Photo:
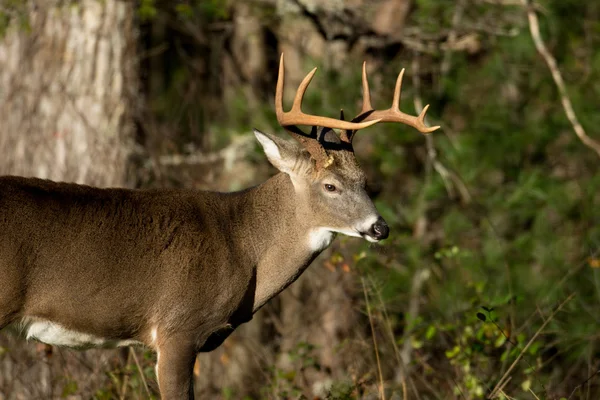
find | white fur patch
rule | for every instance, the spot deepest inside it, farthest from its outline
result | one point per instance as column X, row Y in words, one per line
column 154, row 335
column 156, row 366
column 367, row 224
column 320, row 238
column 51, row 333
column 347, row 232
column 370, row 239
column 269, row 146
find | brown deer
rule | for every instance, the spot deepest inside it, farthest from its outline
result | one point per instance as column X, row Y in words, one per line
column 179, row 270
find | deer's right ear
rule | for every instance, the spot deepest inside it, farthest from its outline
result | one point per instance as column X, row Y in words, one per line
column 283, row 154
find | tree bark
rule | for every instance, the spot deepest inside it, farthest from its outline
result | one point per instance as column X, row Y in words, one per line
column 67, row 88
column 68, row 92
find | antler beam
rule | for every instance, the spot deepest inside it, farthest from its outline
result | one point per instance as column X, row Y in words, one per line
column 367, row 117
column 392, row 114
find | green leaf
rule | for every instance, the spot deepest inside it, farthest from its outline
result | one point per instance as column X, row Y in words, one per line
column 500, row 340
column 453, row 353
column 430, row 333
column 69, row 389
column 147, row 10
column 184, row 10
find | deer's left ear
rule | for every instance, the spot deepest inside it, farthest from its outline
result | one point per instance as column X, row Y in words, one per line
column 283, row 154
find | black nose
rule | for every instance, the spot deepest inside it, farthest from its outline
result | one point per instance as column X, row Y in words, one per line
column 379, row 230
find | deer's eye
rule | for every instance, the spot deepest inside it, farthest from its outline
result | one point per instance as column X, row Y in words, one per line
column 329, row 187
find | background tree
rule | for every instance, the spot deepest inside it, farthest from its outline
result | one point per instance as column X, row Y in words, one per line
column 68, row 102
column 69, row 91
column 487, row 286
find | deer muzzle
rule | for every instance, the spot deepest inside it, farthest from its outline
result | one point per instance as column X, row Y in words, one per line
column 379, row 230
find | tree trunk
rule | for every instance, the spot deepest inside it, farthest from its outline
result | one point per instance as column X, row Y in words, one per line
column 68, row 90
column 67, row 87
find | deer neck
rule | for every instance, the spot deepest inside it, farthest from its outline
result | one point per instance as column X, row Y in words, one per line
column 280, row 243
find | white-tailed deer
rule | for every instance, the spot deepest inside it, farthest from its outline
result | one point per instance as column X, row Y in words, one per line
column 179, row 270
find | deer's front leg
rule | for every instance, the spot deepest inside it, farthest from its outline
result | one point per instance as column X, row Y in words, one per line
column 174, row 369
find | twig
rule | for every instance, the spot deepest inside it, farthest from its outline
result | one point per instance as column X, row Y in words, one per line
column 558, row 80
column 457, row 386
column 503, row 393
column 381, row 390
column 125, row 378
column 404, row 390
column 589, row 362
column 501, row 388
column 492, row 30
column 414, row 389
column 436, row 394
column 139, row 367
column 419, row 278
column 534, row 395
column 510, row 342
column 389, row 328
column 583, row 383
column 537, row 333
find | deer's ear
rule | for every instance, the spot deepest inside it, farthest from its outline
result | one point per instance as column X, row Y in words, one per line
column 283, row 154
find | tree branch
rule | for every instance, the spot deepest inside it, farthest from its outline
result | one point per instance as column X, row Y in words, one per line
column 558, row 80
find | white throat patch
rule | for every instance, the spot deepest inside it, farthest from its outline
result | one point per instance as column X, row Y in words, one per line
column 319, row 239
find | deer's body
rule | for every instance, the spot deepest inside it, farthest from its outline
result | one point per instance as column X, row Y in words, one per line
column 179, row 270
column 171, row 247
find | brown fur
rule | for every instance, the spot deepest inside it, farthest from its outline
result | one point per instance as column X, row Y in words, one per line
column 119, row 263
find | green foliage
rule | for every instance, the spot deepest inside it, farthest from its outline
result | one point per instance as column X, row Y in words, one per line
column 207, row 9
column 341, row 391
column 147, row 10
column 70, row 388
column 13, row 12
column 531, row 235
column 285, row 382
column 493, row 267
column 214, row 9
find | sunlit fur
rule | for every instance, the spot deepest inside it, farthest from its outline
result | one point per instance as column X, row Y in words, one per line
column 348, row 210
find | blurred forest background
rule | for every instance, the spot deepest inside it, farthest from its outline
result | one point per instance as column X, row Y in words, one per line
column 489, row 285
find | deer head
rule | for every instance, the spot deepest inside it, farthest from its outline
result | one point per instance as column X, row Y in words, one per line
column 329, row 183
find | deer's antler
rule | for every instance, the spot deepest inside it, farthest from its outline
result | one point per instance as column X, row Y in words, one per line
column 392, row 114
column 295, row 116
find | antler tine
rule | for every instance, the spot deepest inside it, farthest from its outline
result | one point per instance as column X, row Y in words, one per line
column 398, row 91
column 279, row 91
column 296, row 117
column 297, row 104
column 366, row 92
column 392, row 114
column 347, row 135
